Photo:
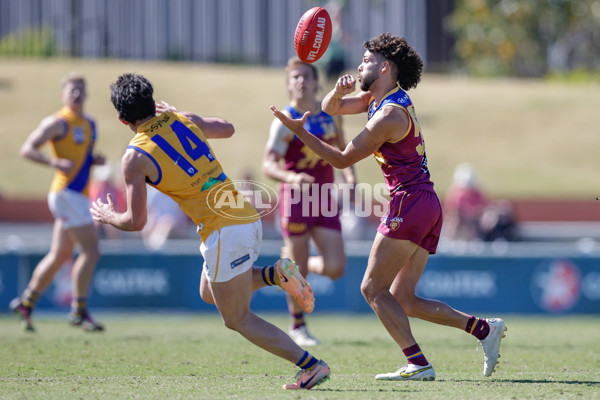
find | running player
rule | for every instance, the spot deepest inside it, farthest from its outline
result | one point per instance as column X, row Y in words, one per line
column 170, row 151
column 410, row 231
column 302, row 173
column 71, row 135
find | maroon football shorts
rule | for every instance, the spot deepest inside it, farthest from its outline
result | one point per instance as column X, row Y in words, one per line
column 299, row 211
column 414, row 215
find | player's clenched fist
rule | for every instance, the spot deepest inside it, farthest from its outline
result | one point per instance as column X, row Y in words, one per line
column 345, row 84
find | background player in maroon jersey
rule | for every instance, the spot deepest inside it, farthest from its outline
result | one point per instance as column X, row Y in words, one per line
column 290, row 162
column 410, row 231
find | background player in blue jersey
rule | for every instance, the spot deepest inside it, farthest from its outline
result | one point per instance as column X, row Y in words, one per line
column 288, row 160
column 71, row 135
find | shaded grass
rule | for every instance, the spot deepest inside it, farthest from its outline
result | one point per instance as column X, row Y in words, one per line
column 526, row 138
column 157, row 356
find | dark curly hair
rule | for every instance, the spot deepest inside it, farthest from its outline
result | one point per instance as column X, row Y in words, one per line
column 409, row 64
column 131, row 95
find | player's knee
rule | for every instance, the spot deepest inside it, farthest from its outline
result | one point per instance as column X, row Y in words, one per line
column 334, row 267
column 369, row 291
column 232, row 322
column 58, row 258
column 92, row 254
column 335, row 271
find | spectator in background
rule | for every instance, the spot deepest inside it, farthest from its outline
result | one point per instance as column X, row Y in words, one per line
column 498, row 222
column 464, row 205
column 71, row 135
column 470, row 215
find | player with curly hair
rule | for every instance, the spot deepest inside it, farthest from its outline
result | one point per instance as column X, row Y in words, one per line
column 410, row 231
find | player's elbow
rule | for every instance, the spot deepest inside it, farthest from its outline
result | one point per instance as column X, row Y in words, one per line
column 340, row 163
column 138, row 223
column 268, row 168
column 25, row 151
column 228, row 130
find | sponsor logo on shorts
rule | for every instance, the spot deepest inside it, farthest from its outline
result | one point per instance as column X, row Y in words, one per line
column 296, row 227
column 393, row 223
column 240, row 261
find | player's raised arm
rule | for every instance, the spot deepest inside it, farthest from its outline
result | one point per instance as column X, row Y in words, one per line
column 335, row 103
column 212, row 127
column 369, row 140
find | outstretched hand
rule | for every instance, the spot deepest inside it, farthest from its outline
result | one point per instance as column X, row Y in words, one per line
column 101, row 212
column 294, row 125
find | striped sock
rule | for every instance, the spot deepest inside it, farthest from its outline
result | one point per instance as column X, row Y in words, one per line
column 414, row 355
column 269, row 276
column 478, row 327
column 79, row 305
column 29, row 298
column 307, row 361
column 298, row 320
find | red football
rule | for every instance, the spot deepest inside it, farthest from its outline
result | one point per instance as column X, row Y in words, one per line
column 313, row 34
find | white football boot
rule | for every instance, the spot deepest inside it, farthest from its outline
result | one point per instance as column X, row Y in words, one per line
column 410, row 372
column 302, row 337
column 491, row 345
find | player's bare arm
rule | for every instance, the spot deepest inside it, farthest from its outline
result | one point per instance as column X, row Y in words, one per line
column 135, row 167
column 212, row 127
column 50, row 128
column 348, row 173
column 335, row 102
column 370, row 139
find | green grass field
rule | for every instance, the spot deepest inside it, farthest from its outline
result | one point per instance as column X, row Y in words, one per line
column 527, row 138
column 187, row 356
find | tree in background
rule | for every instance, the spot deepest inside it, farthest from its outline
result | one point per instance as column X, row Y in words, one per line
column 527, row 38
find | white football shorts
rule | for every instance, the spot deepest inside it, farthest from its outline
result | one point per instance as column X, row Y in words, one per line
column 231, row 251
column 72, row 207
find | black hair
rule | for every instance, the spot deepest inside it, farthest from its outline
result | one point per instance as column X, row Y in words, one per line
column 131, row 95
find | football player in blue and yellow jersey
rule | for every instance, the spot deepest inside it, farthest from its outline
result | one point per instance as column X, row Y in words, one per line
column 70, row 134
column 170, row 151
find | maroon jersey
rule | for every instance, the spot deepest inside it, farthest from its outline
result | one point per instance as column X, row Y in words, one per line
column 300, row 158
column 403, row 162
